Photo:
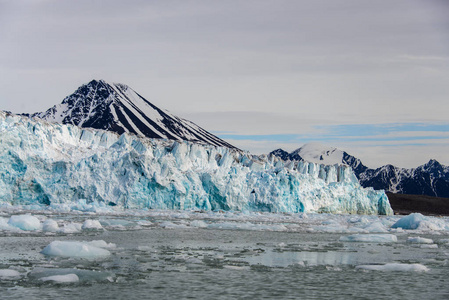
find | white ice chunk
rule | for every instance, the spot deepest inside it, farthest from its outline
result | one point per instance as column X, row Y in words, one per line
column 101, row 244
column 376, row 227
column 50, row 225
column 370, row 238
column 71, row 228
column 62, row 278
column 198, row 223
column 74, row 249
column 4, row 225
column 247, row 226
column 83, row 275
column 443, row 241
column 237, row 268
column 395, row 267
column 429, row 246
column 171, row 225
column 419, row 240
column 411, row 221
column 25, row 222
column 92, row 225
column 144, row 223
column 9, row 273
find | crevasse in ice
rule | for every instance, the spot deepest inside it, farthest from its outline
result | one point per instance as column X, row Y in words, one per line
column 44, row 163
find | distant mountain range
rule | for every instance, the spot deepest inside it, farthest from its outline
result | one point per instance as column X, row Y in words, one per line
column 430, row 179
column 118, row 108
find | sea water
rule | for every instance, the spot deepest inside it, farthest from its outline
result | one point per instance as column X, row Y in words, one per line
column 222, row 255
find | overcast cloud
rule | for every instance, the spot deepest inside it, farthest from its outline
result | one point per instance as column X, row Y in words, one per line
column 261, row 74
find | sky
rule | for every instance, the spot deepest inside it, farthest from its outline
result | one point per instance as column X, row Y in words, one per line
column 367, row 77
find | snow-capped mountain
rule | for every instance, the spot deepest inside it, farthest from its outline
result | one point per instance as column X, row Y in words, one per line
column 118, row 108
column 46, row 163
column 430, row 179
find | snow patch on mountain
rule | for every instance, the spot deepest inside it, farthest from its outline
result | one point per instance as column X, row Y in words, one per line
column 319, row 153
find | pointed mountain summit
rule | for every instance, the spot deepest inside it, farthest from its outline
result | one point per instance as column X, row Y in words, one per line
column 118, row 108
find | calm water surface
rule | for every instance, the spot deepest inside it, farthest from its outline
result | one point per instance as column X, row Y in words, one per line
column 197, row 263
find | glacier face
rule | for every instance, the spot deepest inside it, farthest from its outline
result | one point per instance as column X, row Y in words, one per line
column 50, row 163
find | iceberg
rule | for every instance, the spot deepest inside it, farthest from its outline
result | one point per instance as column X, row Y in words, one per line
column 53, row 164
column 412, row 221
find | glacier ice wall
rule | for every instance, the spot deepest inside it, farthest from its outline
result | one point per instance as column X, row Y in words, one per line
column 49, row 163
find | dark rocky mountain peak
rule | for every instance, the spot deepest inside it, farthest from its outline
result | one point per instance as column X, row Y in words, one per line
column 118, row 108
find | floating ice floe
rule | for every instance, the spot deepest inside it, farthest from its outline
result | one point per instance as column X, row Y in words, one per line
column 69, row 278
column 6, row 273
column 411, row 221
column 417, row 221
column 71, row 228
column 419, row 240
column 67, row 275
column 91, row 225
column 370, row 238
column 25, row 222
column 375, row 227
column 50, row 225
column 395, row 267
column 247, row 226
column 198, row 224
column 428, row 246
column 89, row 250
column 171, row 225
column 102, row 244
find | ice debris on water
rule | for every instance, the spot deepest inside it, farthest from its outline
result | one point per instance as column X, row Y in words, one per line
column 25, row 222
column 5, row 273
column 69, row 278
column 91, row 225
column 50, row 225
column 63, row 166
column 75, row 249
column 395, row 267
column 419, row 240
column 411, row 221
column 61, row 274
column 370, row 238
column 417, row 221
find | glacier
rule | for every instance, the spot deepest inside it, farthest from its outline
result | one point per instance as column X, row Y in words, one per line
column 44, row 163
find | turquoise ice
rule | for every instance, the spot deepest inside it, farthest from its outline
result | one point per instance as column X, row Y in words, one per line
column 43, row 163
